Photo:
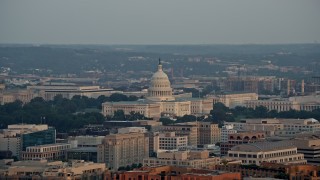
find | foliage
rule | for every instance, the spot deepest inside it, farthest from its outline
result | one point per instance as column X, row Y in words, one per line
column 64, row 114
column 186, row 118
column 166, row 121
column 222, row 113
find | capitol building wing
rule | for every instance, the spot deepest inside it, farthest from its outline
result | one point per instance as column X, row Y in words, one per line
column 160, row 101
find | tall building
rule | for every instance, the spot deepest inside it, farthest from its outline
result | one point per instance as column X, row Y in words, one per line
column 209, row 133
column 120, row 150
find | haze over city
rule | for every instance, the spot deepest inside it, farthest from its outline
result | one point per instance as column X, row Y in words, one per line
column 159, row 22
column 159, row 90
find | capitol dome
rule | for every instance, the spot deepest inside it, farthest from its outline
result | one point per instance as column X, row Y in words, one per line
column 160, row 87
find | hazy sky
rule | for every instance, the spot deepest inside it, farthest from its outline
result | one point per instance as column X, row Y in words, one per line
column 159, row 21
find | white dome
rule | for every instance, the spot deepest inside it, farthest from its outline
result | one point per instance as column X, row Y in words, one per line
column 160, row 87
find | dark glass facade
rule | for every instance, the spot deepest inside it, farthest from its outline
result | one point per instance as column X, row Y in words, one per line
column 38, row 138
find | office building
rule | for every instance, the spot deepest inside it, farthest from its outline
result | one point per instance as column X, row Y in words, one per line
column 274, row 152
column 47, row 151
column 120, row 150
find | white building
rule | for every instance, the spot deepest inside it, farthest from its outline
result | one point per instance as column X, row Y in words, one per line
column 169, row 141
column 160, row 100
column 225, row 131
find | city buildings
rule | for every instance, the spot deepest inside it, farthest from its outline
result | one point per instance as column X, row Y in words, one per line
column 160, row 100
column 274, row 152
column 120, row 150
column 17, row 137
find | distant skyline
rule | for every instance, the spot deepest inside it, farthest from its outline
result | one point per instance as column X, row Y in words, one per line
column 159, row 22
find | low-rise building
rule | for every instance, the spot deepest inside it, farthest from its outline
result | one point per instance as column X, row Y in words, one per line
column 235, row 99
column 192, row 159
column 175, row 173
column 169, row 141
column 86, row 141
column 181, row 129
column 47, row 151
column 280, row 127
column 240, row 138
column 42, row 169
column 306, row 103
column 274, row 152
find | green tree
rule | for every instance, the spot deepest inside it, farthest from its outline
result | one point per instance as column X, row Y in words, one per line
column 186, row 118
column 166, row 121
column 119, row 115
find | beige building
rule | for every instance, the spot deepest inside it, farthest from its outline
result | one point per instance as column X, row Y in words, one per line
column 160, row 100
column 48, row 92
column 48, row 151
column 120, row 150
column 169, row 141
column 209, row 133
column 193, row 159
column 147, row 109
column 306, row 103
column 280, row 127
column 182, row 129
column 309, row 145
column 24, row 96
column 274, row 152
column 233, row 100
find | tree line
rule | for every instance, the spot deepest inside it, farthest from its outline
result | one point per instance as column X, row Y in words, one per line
column 64, row 114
